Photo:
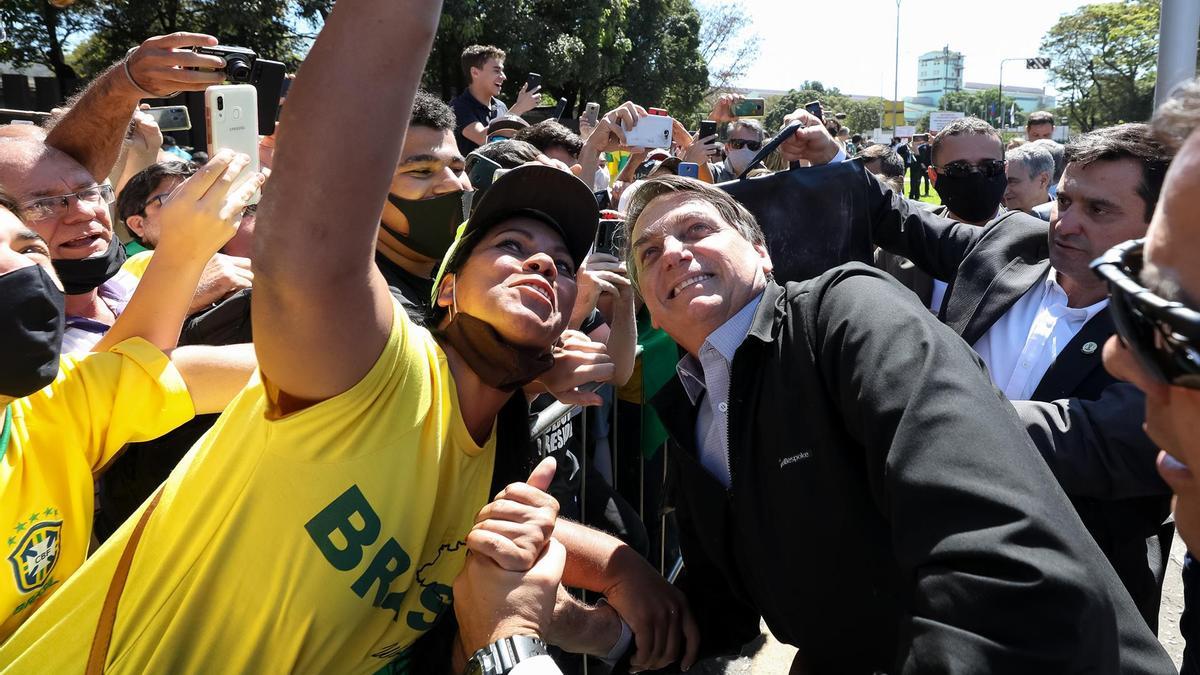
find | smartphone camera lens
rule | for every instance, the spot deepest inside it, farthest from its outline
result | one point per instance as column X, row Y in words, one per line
column 220, row 103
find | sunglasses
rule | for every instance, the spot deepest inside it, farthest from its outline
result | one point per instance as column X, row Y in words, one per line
column 962, row 168
column 738, row 144
column 1165, row 335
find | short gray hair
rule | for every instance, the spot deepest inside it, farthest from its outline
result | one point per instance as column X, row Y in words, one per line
column 1037, row 160
column 752, row 125
column 1057, row 151
column 727, row 207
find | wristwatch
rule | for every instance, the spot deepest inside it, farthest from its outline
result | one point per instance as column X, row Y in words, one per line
column 504, row 654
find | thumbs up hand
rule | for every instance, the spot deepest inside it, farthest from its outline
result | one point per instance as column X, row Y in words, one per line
column 515, row 527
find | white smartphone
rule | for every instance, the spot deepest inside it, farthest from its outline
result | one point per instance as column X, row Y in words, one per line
column 651, row 131
column 231, row 115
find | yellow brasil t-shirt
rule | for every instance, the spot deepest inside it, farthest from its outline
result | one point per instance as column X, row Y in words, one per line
column 322, row 542
column 60, row 438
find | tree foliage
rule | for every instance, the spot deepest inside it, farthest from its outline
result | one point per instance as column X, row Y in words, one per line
column 1103, row 62
column 648, row 51
column 606, row 51
column 982, row 104
column 726, row 44
column 861, row 115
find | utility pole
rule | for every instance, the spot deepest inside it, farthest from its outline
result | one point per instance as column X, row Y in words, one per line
column 1177, row 34
column 896, row 82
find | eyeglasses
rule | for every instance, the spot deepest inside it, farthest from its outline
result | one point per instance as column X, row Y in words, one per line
column 160, row 198
column 56, row 206
column 962, row 168
column 1163, row 334
column 738, row 144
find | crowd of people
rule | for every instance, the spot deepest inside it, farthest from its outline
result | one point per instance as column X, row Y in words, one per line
column 294, row 435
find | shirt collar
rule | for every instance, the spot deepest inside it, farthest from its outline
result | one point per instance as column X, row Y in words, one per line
column 1080, row 314
column 725, row 340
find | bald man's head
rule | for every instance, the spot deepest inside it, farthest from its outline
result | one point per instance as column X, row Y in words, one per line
column 1173, row 240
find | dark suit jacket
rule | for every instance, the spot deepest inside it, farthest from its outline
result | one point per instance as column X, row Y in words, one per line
column 925, row 154
column 1087, row 424
column 887, row 512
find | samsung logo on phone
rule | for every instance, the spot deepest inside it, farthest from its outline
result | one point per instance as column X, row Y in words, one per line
column 237, row 128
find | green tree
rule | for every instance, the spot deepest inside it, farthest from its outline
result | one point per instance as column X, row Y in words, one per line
column 981, row 104
column 38, row 32
column 590, row 50
column 1103, row 62
column 778, row 107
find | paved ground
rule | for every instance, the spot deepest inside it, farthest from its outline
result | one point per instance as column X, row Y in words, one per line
column 766, row 656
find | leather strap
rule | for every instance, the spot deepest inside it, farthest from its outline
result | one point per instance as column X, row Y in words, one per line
column 108, row 613
column 767, row 149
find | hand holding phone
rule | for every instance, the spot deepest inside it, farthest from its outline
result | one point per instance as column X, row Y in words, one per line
column 231, row 114
column 533, row 82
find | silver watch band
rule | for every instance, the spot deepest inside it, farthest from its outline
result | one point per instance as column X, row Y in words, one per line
column 502, row 655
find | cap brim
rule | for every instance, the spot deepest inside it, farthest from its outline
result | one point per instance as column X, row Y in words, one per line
column 564, row 201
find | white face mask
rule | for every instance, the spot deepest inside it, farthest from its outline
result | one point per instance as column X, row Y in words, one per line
column 738, row 160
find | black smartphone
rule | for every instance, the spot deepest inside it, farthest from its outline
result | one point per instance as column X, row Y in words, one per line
column 603, row 199
column 268, row 78
column 815, row 108
column 533, row 81
column 608, row 236
column 481, row 171
column 559, row 109
column 707, row 128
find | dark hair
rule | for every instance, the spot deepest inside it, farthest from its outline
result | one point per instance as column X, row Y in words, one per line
column 132, row 200
column 509, row 154
column 833, row 126
column 7, row 201
column 856, row 139
column 1179, row 116
column 1133, row 141
column 430, row 111
column 890, row 163
column 727, row 207
column 475, row 56
column 965, row 126
column 549, row 134
column 1039, row 117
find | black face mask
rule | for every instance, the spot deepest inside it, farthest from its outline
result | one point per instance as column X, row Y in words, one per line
column 499, row 364
column 83, row 276
column 431, row 222
column 974, row 197
column 31, row 330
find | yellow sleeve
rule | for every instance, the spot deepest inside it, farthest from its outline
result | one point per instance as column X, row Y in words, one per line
column 137, row 264
column 129, row 394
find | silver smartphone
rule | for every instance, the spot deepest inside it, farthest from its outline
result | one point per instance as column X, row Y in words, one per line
column 171, row 117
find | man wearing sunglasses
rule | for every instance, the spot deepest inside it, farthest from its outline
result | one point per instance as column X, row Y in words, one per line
column 744, row 142
column 1020, row 293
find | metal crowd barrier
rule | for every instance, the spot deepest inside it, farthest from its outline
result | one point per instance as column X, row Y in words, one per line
column 556, row 412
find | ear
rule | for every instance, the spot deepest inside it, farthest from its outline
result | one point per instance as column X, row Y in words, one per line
column 445, row 296
column 767, row 265
column 136, row 225
column 1045, row 182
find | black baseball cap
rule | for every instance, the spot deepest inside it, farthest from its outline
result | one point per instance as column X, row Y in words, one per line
column 544, row 193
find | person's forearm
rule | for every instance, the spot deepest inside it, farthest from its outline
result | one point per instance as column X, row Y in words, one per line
column 593, row 557
column 589, row 156
column 214, row 375
column 317, row 223
column 158, row 307
column 135, row 161
column 92, row 130
column 580, row 628
column 475, row 132
column 622, row 342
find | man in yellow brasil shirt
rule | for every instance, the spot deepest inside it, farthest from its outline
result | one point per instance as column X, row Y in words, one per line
column 320, row 525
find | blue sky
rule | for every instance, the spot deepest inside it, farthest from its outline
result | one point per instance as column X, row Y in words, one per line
column 850, row 44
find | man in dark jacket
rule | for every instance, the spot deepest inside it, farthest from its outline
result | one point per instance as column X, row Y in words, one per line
column 842, row 466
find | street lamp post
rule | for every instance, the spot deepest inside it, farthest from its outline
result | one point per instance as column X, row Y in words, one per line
column 896, row 82
column 1000, row 94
